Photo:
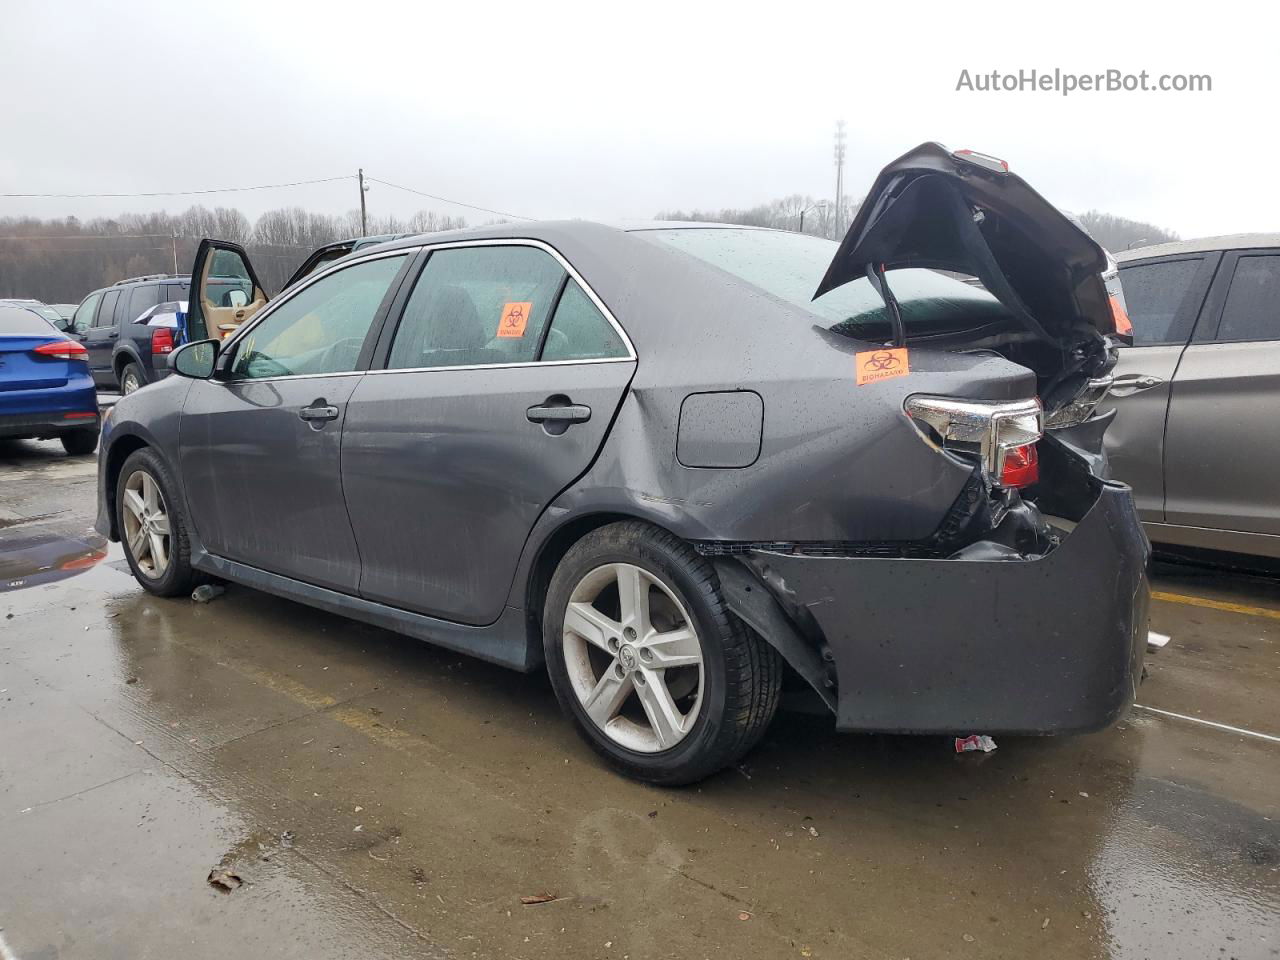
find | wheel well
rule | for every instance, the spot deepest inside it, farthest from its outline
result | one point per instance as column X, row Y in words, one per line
column 116, row 456
column 549, row 557
column 122, row 361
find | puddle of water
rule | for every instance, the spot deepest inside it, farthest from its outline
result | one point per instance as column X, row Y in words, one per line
column 47, row 557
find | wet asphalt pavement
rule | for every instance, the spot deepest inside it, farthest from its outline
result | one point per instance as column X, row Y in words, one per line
column 378, row 798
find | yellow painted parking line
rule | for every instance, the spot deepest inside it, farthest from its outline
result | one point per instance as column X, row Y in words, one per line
column 1215, row 604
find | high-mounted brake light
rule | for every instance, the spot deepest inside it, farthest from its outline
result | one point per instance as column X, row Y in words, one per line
column 161, row 340
column 62, row 350
column 990, row 430
column 987, row 162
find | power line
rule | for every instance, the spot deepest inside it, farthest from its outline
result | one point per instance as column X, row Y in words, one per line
column 115, row 236
column 175, row 193
column 458, row 203
column 264, row 186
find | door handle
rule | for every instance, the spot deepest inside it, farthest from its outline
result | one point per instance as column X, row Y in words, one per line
column 1128, row 384
column 113, row 335
column 318, row 413
column 569, row 413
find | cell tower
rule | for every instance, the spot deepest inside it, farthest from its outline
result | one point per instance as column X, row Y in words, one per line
column 839, row 155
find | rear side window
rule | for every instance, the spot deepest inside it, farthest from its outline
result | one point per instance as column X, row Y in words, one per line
column 1252, row 310
column 477, row 305
column 106, row 316
column 1156, row 298
column 579, row 331
column 141, row 299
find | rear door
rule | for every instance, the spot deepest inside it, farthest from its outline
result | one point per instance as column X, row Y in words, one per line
column 1222, row 447
column 499, row 383
column 1163, row 298
column 260, row 443
column 100, row 339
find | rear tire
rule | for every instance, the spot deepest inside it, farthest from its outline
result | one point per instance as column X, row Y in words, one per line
column 80, row 443
column 153, row 527
column 723, row 680
column 131, row 379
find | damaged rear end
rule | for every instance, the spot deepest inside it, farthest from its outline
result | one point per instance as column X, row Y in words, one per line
column 1025, row 611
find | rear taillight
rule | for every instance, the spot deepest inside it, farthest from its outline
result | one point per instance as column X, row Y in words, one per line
column 62, row 350
column 161, row 340
column 1021, row 467
column 1000, row 435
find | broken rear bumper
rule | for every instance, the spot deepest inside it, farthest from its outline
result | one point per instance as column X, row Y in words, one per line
column 1038, row 646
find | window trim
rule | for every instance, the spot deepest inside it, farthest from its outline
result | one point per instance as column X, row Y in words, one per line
column 570, row 270
column 417, row 253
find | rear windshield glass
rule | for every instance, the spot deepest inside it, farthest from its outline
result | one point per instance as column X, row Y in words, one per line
column 789, row 266
column 18, row 322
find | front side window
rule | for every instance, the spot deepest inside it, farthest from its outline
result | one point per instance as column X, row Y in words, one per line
column 1252, row 310
column 228, row 284
column 83, row 319
column 579, row 331
column 1154, row 295
column 477, row 305
column 319, row 330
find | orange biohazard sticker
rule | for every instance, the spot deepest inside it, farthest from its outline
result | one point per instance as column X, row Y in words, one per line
column 515, row 316
column 885, row 364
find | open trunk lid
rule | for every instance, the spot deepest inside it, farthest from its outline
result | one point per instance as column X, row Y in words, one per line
column 966, row 213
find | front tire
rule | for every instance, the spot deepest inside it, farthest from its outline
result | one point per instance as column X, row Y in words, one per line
column 645, row 658
column 153, row 527
column 80, row 443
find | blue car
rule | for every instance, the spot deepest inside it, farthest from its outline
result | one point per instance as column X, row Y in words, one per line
column 45, row 387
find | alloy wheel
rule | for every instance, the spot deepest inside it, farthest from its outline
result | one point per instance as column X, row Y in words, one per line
column 130, row 385
column 633, row 657
column 146, row 524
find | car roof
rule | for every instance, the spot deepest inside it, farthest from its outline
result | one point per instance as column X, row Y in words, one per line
column 1231, row 241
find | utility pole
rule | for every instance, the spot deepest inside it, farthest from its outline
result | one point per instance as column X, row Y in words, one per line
column 839, row 156
column 175, row 254
column 364, row 230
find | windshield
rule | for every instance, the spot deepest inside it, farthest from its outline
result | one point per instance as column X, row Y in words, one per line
column 790, row 265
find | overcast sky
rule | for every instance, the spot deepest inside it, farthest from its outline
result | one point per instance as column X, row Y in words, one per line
column 611, row 111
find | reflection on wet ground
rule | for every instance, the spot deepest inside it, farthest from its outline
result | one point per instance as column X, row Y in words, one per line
column 382, row 798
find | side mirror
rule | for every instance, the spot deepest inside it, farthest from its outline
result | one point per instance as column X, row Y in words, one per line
column 195, row 360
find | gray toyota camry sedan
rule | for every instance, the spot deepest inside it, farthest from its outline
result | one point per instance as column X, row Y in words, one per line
column 678, row 466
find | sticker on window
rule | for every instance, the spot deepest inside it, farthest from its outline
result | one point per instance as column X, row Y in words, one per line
column 515, row 317
column 873, row 365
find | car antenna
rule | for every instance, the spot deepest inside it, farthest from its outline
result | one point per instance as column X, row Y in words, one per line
column 875, row 274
